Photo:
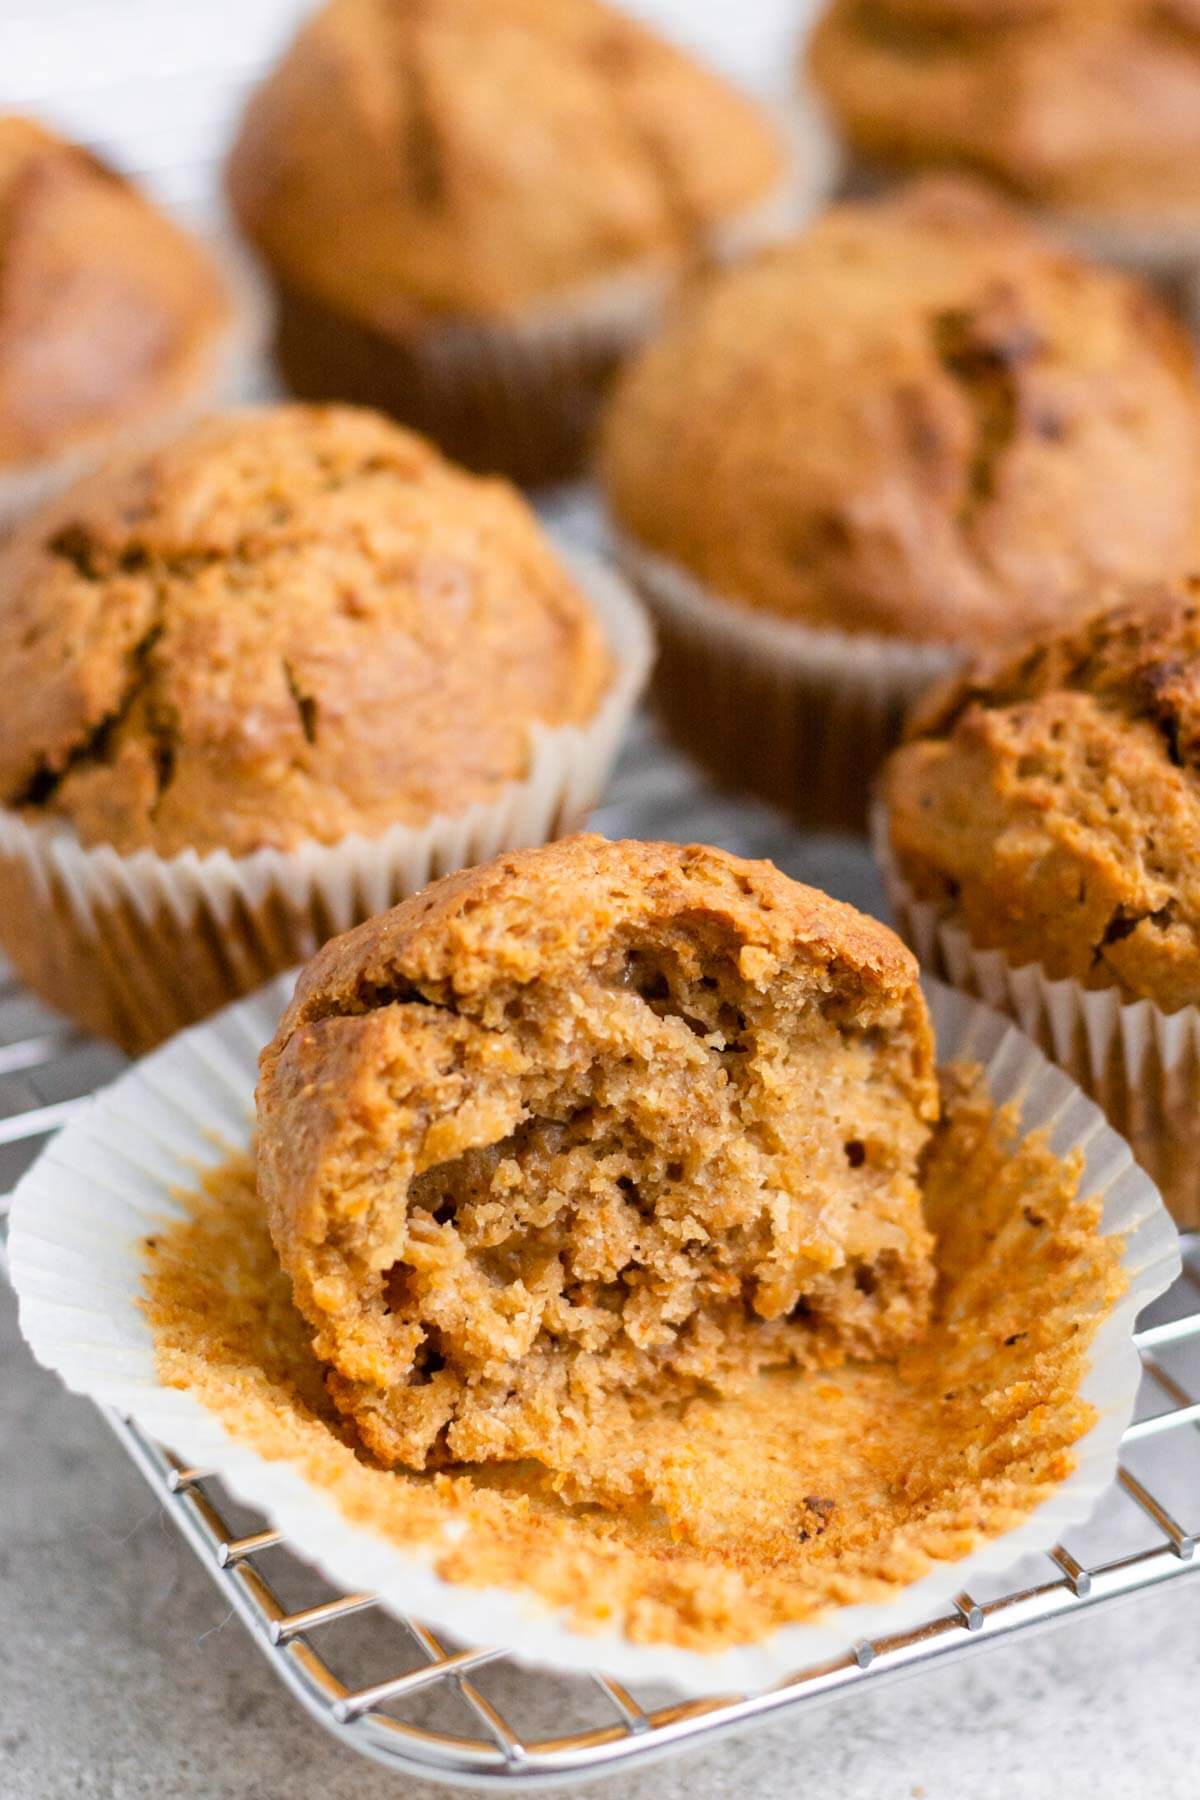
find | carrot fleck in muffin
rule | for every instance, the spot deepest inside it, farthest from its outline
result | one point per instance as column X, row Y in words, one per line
column 594, row 1120
column 917, row 429
column 1047, row 807
column 471, row 207
column 286, row 632
column 110, row 315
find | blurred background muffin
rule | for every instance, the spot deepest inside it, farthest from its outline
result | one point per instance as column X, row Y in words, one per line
column 266, row 680
column 1041, row 832
column 914, row 431
column 470, row 209
column 1090, row 109
column 111, row 316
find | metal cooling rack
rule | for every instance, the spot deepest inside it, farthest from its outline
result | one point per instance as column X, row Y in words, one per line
column 390, row 1689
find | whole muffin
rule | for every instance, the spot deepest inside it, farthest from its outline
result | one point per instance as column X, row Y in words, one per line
column 1081, row 105
column 109, row 313
column 1053, row 796
column 470, row 207
column 918, row 422
column 593, row 1120
column 288, row 631
column 1047, row 807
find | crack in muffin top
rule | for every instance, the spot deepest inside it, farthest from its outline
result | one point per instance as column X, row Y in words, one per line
column 475, row 157
column 919, row 419
column 285, row 626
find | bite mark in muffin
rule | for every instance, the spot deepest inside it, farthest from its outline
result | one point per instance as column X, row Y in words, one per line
column 593, row 1122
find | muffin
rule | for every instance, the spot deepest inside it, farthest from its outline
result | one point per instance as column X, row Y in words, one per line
column 596, row 1120
column 1088, row 108
column 261, row 682
column 470, row 209
column 913, row 431
column 111, row 317
column 1043, row 838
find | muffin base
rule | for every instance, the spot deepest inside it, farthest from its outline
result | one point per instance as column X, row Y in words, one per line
column 493, row 400
column 801, row 717
column 1140, row 1065
column 136, row 947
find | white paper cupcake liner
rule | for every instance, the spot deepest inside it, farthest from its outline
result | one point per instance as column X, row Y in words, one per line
column 1141, row 1065
column 116, row 1171
column 801, row 716
column 230, row 370
column 137, row 946
column 519, row 395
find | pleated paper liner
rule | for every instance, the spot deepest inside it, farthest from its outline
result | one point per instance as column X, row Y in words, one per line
column 519, row 397
column 117, row 1171
column 228, row 371
column 801, row 716
column 1137, row 1062
column 135, row 947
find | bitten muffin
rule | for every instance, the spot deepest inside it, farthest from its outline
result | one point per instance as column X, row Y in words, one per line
column 1044, row 850
column 109, row 313
column 1081, row 105
column 589, row 1121
column 287, row 632
column 440, row 191
column 919, row 422
column 1053, row 796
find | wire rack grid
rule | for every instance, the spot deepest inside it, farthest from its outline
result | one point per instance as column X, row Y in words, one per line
column 392, row 1690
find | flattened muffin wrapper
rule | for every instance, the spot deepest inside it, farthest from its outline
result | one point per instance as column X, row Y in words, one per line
column 228, row 372
column 1137, row 1062
column 145, row 944
column 117, row 1172
column 800, row 715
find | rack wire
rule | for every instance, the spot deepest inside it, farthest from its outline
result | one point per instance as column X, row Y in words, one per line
column 391, row 1689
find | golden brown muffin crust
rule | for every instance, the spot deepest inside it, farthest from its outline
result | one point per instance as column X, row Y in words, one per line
column 917, row 419
column 107, row 310
column 478, row 156
column 592, row 1120
column 286, row 625
column 1052, row 799
column 1080, row 103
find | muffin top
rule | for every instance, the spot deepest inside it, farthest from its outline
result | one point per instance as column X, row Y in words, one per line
column 107, row 309
column 595, row 1118
column 1092, row 104
column 918, row 419
column 1052, row 799
column 478, row 156
column 287, row 625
